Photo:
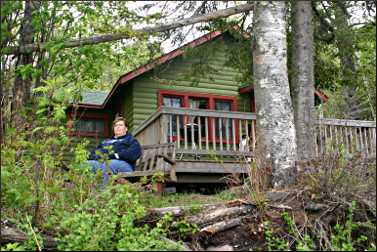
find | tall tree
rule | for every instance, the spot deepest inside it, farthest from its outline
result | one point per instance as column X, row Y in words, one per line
column 303, row 77
column 275, row 123
column 23, row 79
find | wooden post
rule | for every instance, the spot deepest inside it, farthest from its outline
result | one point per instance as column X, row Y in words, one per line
column 206, row 130
column 213, row 133
column 178, row 132
column 200, row 132
column 227, row 133
column 185, row 133
column 254, row 140
column 221, row 133
column 163, row 128
column 234, row 134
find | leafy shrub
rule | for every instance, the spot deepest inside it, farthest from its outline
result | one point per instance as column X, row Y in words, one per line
column 106, row 222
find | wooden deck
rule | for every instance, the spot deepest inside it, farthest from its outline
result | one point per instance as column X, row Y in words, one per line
column 206, row 145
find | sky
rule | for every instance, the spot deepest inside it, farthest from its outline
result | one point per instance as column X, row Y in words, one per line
column 190, row 34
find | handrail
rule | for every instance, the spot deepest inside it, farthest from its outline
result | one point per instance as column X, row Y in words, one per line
column 146, row 122
column 209, row 113
column 346, row 122
column 193, row 112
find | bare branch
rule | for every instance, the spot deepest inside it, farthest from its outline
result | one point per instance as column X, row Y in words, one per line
column 118, row 36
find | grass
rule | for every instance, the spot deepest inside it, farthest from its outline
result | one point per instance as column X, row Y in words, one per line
column 190, row 199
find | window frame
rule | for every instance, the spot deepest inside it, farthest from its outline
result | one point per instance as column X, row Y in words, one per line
column 185, row 96
column 81, row 116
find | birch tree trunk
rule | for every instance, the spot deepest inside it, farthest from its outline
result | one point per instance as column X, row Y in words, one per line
column 303, row 78
column 275, row 126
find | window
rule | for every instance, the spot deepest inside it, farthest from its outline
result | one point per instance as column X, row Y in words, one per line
column 224, row 124
column 172, row 98
column 175, row 102
column 88, row 124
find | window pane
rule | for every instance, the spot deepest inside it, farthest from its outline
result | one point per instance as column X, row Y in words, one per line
column 223, row 105
column 100, row 126
column 174, row 102
column 89, row 126
column 199, row 103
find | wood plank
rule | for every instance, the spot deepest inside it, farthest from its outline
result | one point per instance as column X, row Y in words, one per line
column 361, row 140
column 200, row 132
column 366, row 142
column 331, row 137
column 253, row 124
column 213, row 121
column 343, row 122
column 178, row 132
column 204, row 167
column 217, row 152
column 206, row 132
column 146, row 123
column 163, row 129
column 193, row 145
column 345, row 132
column 351, row 140
column 247, row 135
column 171, row 128
column 136, row 174
column 185, row 131
column 227, row 133
column 209, row 113
column 221, row 133
column 234, row 134
column 240, row 135
column 321, row 140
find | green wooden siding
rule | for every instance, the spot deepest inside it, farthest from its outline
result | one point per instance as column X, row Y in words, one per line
column 129, row 106
column 173, row 75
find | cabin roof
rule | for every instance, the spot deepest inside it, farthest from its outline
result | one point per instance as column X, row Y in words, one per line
column 98, row 99
column 146, row 67
column 94, row 97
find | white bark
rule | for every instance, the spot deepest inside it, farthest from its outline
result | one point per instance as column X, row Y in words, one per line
column 303, row 78
column 275, row 126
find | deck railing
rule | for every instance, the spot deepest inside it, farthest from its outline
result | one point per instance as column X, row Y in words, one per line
column 349, row 136
column 201, row 131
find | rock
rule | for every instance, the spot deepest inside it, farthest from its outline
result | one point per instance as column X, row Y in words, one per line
column 275, row 196
column 225, row 247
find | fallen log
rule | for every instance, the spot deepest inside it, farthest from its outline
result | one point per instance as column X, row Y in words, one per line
column 11, row 235
column 180, row 210
column 219, row 213
column 221, row 226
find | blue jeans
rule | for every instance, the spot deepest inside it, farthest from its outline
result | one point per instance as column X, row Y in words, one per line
column 114, row 165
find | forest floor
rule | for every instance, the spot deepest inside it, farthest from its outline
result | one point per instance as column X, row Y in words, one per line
column 332, row 206
column 325, row 210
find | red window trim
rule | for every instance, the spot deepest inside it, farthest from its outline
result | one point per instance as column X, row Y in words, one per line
column 82, row 116
column 186, row 95
column 211, row 103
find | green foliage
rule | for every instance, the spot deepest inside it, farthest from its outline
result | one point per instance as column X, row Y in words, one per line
column 182, row 228
column 273, row 242
column 341, row 237
column 106, row 222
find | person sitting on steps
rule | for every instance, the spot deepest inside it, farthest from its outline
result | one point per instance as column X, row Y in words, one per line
column 122, row 149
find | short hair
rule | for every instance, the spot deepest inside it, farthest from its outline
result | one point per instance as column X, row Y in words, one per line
column 118, row 119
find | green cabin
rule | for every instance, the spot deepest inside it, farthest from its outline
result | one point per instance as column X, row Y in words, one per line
column 193, row 98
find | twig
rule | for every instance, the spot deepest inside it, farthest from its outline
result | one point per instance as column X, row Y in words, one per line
column 34, row 235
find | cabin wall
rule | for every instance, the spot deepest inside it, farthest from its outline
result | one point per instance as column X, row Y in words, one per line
column 93, row 141
column 218, row 79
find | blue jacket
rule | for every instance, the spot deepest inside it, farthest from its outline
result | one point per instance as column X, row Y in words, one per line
column 125, row 148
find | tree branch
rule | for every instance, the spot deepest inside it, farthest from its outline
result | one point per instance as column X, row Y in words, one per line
column 118, row 36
